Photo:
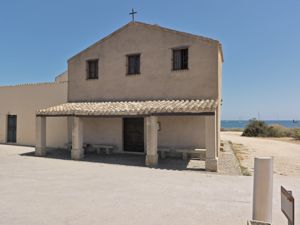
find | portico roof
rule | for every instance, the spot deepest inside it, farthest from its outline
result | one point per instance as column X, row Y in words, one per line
column 131, row 108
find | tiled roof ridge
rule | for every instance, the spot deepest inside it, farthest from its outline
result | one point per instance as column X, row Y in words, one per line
column 32, row 84
column 152, row 100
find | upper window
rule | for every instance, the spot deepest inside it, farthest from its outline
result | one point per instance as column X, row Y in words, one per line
column 133, row 64
column 92, row 69
column 180, row 59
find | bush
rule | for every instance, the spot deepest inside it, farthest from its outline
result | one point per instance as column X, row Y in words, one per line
column 278, row 131
column 296, row 133
column 256, row 128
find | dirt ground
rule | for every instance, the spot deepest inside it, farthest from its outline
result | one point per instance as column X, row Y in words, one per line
column 285, row 139
column 47, row 191
column 286, row 154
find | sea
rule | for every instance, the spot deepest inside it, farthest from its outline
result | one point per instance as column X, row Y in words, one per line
column 228, row 124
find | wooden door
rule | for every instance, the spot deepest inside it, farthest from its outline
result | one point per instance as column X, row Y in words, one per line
column 133, row 134
column 11, row 128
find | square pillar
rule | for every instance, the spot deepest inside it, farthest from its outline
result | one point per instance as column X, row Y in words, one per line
column 211, row 142
column 151, row 140
column 218, row 129
column 77, row 151
column 70, row 125
column 40, row 136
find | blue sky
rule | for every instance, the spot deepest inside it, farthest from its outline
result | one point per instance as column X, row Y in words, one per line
column 261, row 43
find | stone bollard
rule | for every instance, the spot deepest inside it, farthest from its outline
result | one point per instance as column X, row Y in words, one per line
column 263, row 189
column 255, row 222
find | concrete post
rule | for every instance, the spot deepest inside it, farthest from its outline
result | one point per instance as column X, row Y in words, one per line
column 211, row 161
column 151, row 140
column 263, row 189
column 77, row 151
column 40, row 136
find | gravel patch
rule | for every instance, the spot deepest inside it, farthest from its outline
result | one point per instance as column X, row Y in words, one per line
column 228, row 163
column 286, row 156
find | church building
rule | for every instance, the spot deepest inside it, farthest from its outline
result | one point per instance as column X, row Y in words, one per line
column 143, row 89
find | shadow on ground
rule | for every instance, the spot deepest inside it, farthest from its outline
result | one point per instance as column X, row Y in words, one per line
column 126, row 160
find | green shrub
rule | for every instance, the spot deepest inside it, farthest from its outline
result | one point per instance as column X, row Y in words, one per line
column 256, row 128
column 296, row 133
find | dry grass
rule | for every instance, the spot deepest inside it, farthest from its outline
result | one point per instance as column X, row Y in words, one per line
column 241, row 153
column 232, row 129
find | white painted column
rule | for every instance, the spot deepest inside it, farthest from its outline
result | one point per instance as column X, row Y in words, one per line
column 151, row 140
column 263, row 189
column 40, row 136
column 211, row 161
column 77, row 151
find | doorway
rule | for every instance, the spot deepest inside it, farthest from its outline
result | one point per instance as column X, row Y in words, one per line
column 133, row 134
column 11, row 129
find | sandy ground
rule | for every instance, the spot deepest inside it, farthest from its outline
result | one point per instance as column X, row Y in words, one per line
column 286, row 139
column 47, row 191
column 286, row 155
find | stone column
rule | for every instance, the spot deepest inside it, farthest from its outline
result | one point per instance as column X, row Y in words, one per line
column 218, row 129
column 70, row 125
column 211, row 162
column 151, row 140
column 40, row 136
column 77, row 151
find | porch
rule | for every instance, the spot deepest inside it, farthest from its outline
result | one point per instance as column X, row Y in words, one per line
column 143, row 127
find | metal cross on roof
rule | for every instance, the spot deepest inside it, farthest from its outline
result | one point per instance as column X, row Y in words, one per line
column 132, row 14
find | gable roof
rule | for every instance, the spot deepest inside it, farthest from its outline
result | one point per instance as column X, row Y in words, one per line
column 155, row 27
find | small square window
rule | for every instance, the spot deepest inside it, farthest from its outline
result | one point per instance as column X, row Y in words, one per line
column 133, row 64
column 180, row 59
column 92, row 69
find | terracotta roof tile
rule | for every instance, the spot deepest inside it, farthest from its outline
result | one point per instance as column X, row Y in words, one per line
column 125, row 108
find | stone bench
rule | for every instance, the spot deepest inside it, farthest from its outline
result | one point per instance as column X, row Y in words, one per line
column 163, row 152
column 199, row 153
column 107, row 148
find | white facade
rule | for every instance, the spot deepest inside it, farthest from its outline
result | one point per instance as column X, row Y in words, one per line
column 23, row 101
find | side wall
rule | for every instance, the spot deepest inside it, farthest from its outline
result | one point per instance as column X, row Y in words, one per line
column 219, row 109
column 176, row 131
column 23, row 101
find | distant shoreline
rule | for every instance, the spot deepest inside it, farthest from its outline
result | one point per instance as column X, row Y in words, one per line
column 239, row 125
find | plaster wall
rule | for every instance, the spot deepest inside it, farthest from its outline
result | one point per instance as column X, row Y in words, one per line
column 23, row 101
column 156, row 80
column 182, row 131
column 176, row 131
column 103, row 131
